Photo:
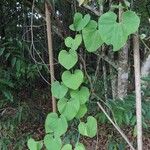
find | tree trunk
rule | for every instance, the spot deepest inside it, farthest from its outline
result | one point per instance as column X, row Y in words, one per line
column 123, row 71
column 50, row 50
column 114, row 76
column 123, row 67
column 138, row 90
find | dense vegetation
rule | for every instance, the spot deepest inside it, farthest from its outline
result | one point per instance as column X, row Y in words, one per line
column 69, row 76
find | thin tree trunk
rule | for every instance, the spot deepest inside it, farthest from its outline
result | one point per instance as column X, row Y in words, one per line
column 105, row 80
column 50, row 50
column 138, row 90
column 114, row 79
column 123, row 72
column 123, row 67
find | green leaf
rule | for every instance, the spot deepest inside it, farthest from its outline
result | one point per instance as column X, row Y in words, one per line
column 7, row 56
column 52, row 143
column 82, row 95
column 115, row 33
column 73, row 43
column 73, row 80
column 13, row 61
column 2, row 51
column 68, row 59
column 92, row 36
column 68, row 108
column 80, row 22
column 8, row 95
column 67, row 147
column 88, row 129
column 56, row 124
column 82, row 111
column 58, row 90
column 79, row 146
column 34, row 145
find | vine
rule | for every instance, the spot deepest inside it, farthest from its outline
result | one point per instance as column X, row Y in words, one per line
column 72, row 95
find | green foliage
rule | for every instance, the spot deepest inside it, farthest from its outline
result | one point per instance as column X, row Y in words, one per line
column 51, row 142
column 73, row 80
column 68, row 59
column 34, row 145
column 67, row 147
column 108, row 29
column 71, row 94
column 5, row 87
column 115, row 145
column 58, row 90
column 82, row 111
column 73, row 43
column 88, row 129
column 68, row 108
column 92, row 36
column 16, row 68
column 80, row 22
column 79, row 146
column 82, row 94
column 56, row 125
column 116, row 33
column 123, row 112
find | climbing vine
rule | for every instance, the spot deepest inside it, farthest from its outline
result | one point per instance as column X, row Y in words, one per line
column 72, row 92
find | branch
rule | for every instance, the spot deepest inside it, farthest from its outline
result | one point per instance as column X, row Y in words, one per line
column 108, row 60
column 97, row 13
column 89, row 8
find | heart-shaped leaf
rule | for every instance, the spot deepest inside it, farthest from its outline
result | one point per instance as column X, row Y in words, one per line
column 82, row 95
column 58, row 90
column 92, row 36
column 88, row 129
column 73, row 80
column 79, row 146
column 116, row 33
column 79, row 22
column 34, row 145
column 51, row 142
column 55, row 124
column 68, row 59
column 82, row 111
column 67, row 147
column 73, row 43
column 68, row 108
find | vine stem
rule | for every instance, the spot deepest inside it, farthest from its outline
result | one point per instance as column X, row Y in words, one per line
column 138, row 90
column 116, row 126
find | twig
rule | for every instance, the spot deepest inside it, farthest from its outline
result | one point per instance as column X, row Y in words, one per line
column 97, row 13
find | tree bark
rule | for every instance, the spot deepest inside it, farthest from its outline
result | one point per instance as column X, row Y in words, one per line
column 50, row 50
column 123, row 67
column 114, row 77
column 123, row 71
column 138, row 90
